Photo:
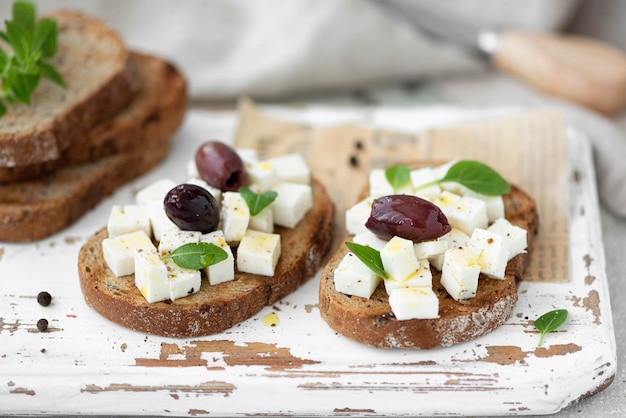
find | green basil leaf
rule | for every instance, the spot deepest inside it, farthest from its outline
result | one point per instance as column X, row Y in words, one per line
column 46, row 37
column 478, row 177
column 23, row 86
column 24, row 15
column 398, row 176
column 257, row 202
column 51, row 74
column 197, row 256
column 369, row 256
column 19, row 39
column 549, row 322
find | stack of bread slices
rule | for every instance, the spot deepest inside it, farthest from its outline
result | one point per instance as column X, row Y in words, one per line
column 74, row 145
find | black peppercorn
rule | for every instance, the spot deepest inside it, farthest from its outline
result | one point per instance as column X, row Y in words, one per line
column 42, row 324
column 44, row 298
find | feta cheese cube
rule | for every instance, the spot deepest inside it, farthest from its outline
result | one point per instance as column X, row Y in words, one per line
column 182, row 282
column 129, row 218
column 460, row 272
column 224, row 271
column 446, row 201
column 357, row 216
column 398, row 258
column 292, row 168
column 493, row 204
column 159, row 220
column 370, row 239
column 171, row 239
column 427, row 249
column 421, row 177
column 263, row 176
column 249, row 156
column 380, row 186
column 468, row 214
column 516, row 236
column 192, row 169
column 151, row 275
column 422, row 277
column 263, row 221
column 293, row 202
column 454, row 238
column 119, row 252
column 258, row 253
column 414, row 303
column 235, row 216
column 354, row 278
column 154, row 192
column 491, row 252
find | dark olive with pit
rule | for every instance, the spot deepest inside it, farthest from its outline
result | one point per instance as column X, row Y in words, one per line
column 192, row 208
column 220, row 166
column 408, row 217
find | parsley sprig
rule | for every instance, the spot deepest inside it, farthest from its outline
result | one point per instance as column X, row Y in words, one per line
column 31, row 43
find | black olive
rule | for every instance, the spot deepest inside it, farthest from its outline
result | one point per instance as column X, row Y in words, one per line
column 192, row 208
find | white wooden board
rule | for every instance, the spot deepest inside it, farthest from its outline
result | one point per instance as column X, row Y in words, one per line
column 84, row 364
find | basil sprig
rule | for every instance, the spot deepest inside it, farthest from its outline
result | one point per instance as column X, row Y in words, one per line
column 197, row 256
column 257, row 202
column 476, row 176
column 31, row 44
column 549, row 322
column 369, row 256
column 398, row 176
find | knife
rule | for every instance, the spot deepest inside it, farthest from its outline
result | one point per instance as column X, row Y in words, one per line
column 571, row 67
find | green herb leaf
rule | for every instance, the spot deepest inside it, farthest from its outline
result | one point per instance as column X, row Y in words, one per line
column 23, row 66
column 398, row 176
column 478, row 177
column 549, row 322
column 257, row 202
column 369, row 256
column 197, row 255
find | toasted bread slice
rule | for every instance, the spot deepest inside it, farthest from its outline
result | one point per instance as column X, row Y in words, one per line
column 124, row 131
column 100, row 78
column 371, row 321
column 32, row 210
column 213, row 308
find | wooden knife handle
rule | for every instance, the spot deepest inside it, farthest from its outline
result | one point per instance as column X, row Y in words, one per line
column 570, row 67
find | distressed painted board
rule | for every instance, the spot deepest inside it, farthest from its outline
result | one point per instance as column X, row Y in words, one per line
column 286, row 361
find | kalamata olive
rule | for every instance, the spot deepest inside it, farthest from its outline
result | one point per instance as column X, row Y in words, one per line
column 192, row 208
column 408, row 217
column 220, row 166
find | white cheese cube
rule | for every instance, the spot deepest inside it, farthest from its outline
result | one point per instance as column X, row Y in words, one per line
column 398, row 258
column 235, row 216
column 427, row 249
column 414, row 303
column 192, row 169
column 154, row 192
column 249, row 156
column 263, row 176
column 159, row 220
column 258, row 253
column 171, row 239
column 263, row 221
column 468, row 214
column 292, row 203
column 119, row 252
column 493, row 204
column 420, row 177
column 380, row 186
column 357, row 216
column 446, row 201
column 370, row 239
column 291, row 168
column 129, row 218
column 516, row 236
column 491, row 252
column 224, row 271
column 460, row 272
column 422, row 277
column 454, row 238
column 182, row 282
column 354, row 278
column 151, row 275
column 215, row 192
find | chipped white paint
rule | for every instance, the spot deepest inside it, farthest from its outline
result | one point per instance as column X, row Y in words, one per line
column 86, row 365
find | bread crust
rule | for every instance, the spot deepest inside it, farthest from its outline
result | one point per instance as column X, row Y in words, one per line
column 32, row 210
column 213, row 308
column 101, row 78
column 371, row 321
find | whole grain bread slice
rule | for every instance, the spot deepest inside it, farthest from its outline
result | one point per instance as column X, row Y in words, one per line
column 32, row 210
column 125, row 130
column 100, row 77
column 371, row 321
column 213, row 308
